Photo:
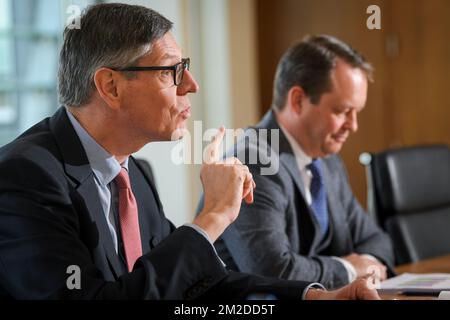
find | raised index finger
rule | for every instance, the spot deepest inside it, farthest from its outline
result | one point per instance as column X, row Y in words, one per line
column 212, row 150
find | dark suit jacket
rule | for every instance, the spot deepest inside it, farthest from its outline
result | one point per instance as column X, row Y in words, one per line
column 51, row 218
column 279, row 236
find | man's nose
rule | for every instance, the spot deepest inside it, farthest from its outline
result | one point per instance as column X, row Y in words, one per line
column 352, row 121
column 188, row 84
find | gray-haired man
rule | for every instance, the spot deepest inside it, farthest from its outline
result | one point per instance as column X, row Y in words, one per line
column 73, row 198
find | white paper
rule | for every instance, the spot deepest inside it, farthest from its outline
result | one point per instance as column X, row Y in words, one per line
column 444, row 295
column 416, row 283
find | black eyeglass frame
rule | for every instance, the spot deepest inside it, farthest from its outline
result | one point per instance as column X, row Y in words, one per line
column 185, row 63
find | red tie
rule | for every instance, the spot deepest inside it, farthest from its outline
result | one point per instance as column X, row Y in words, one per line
column 129, row 221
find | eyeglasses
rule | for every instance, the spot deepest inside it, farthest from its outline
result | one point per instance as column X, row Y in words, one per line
column 178, row 69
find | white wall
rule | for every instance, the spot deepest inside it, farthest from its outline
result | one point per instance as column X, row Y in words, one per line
column 245, row 101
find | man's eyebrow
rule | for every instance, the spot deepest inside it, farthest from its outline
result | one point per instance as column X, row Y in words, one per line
column 169, row 56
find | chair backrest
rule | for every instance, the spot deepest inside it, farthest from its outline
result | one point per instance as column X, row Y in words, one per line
column 409, row 197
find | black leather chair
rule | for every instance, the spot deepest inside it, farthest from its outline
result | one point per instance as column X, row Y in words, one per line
column 409, row 197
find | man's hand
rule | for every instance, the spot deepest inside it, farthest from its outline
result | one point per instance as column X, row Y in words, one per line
column 225, row 184
column 362, row 288
column 364, row 265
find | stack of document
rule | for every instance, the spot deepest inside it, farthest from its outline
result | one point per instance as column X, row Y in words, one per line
column 428, row 283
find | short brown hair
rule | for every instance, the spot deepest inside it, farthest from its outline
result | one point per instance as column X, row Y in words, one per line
column 308, row 64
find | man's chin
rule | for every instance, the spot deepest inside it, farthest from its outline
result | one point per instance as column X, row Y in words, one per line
column 178, row 134
column 332, row 148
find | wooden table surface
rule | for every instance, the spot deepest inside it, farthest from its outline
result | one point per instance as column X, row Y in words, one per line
column 434, row 265
column 439, row 264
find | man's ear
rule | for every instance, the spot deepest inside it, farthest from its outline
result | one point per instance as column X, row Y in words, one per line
column 107, row 82
column 295, row 99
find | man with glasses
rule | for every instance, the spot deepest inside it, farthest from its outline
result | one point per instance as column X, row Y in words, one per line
column 177, row 70
column 80, row 219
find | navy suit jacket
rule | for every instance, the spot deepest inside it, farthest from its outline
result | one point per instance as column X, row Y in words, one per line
column 51, row 218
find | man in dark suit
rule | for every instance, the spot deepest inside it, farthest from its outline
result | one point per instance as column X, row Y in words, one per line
column 79, row 217
column 306, row 223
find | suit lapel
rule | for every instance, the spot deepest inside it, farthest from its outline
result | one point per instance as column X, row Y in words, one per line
column 79, row 170
column 287, row 159
column 88, row 192
column 151, row 215
column 337, row 223
column 144, row 214
column 305, row 232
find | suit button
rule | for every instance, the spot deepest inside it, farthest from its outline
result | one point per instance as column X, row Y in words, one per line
column 154, row 242
column 192, row 293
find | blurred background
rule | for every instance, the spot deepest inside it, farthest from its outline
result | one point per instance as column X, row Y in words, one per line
column 234, row 46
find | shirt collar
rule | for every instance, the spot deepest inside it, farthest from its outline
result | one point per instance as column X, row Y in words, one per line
column 104, row 165
column 302, row 158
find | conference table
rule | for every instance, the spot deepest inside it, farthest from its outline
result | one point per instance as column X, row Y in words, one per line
column 434, row 265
